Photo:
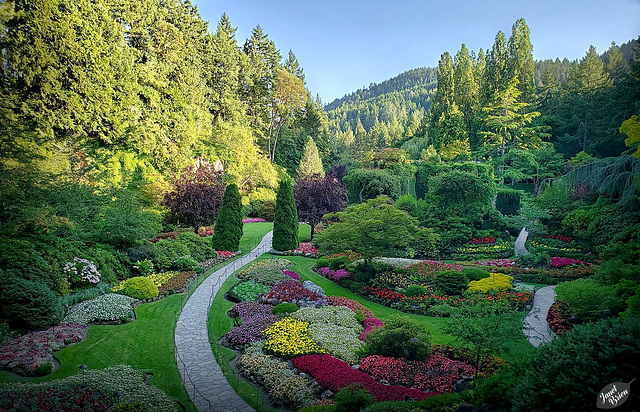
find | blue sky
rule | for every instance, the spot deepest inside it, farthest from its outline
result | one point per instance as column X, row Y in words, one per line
column 346, row 45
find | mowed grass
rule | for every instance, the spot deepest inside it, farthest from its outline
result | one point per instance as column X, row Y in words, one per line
column 146, row 343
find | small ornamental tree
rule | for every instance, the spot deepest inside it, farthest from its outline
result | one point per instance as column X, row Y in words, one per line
column 229, row 222
column 197, row 196
column 285, row 223
column 316, row 196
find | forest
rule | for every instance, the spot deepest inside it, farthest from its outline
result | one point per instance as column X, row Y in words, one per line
column 134, row 139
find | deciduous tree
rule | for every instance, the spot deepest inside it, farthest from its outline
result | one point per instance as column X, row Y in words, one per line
column 316, row 196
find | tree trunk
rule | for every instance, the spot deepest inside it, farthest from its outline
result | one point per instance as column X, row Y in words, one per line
column 313, row 229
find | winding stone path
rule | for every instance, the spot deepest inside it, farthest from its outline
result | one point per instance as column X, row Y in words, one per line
column 536, row 328
column 202, row 377
column 519, row 248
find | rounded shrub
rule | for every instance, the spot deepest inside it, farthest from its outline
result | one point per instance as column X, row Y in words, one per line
column 450, row 282
column 283, row 308
column 352, row 398
column 475, row 273
column 140, row 288
column 186, row 263
column 30, row 305
column 415, row 290
column 339, row 262
column 167, row 251
column 322, row 262
column 533, row 260
column 400, row 337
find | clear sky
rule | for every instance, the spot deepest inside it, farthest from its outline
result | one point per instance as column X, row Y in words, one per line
column 344, row 45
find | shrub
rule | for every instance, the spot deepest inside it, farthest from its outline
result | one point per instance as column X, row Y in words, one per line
column 323, row 262
column 508, row 201
column 145, row 267
column 84, row 294
column 186, row 263
column 109, row 307
column 81, row 272
column 282, row 308
column 475, row 273
column 415, row 290
column 339, row 263
column 229, row 221
column 589, row 299
column 199, row 247
column 249, row 290
column 533, row 260
column 401, row 337
column 140, row 288
column 568, row 373
column 267, row 210
column 167, row 252
column 27, row 304
column 352, row 398
column 450, row 282
column 495, row 282
column 146, row 251
column 285, row 223
column 129, row 407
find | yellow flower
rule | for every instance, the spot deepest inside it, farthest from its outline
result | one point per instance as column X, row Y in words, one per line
column 495, row 281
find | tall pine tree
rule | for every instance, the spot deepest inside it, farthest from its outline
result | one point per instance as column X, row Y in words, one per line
column 311, row 163
column 285, row 223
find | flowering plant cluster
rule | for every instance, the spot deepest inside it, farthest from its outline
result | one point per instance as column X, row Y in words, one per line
column 563, row 238
column 517, row 299
column 495, row 282
column 341, row 342
column 558, row 317
column 249, row 290
column 256, row 317
column 334, row 275
column 335, row 374
column 438, row 375
column 178, row 282
column 306, row 249
column 352, row 304
column 560, row 262
column 109, row 307
column 395, row 279
column 206, row 230
column 288, row 338
column 329, row 315
column 384, row 295
column 286, row 389
column 493, row 250
column 166, row 235
column 81, row 272
column 277, row 264
column 33, row 353
column 370, row 324
column 489, row 364
column 352, row 257
column 484, row 240
column 226, row 254
column 54, row 398
column 291, row 274
column 309, row 285
column 293, row 291
column 158, row 279
column 502, row 263
column 253, row 220
column 427, row 269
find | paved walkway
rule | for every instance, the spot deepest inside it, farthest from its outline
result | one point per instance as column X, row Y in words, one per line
column 203, row 378
column 519, row 248
column 536, row 327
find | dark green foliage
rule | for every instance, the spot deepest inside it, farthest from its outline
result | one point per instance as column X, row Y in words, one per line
column 186, row 263
column 285, row 223
column 140, row 287
column 568, row 373
column 167, row 251
column 129, row 407
column 409, row 204
column 400, row 337
column 146, row 251
column 508, row 201
column 497, row 390
column 533, row 260
column 451, row 282
column 29, row 305
column 475, row 273
column 228, row 229
column 615, row 271
column 85, row 294
column 318, row 408
column 352, row 398
column 589, row 299
column 365, row 184
column 19, row 257
column 199, row 246
column 405, row 406
column 415, row 290
column 462, row 192
column 282, row 308
column 339, row 262
column 268, row 210
column 322, row 262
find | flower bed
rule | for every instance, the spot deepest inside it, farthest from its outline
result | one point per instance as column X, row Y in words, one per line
column 55, row 398
column 370, row 324
column 560, row 262
column 206, row 230
column 288, row 338
column 285, row 388
column 501, row 263
column 341, row 342
column 335, row 374
column 562, row 238
column 278, row 264
column 256, row 317
column 352, row 257
column 178, row 283
column 489, row 364
column 293, row 291
column 226, row 254
column 306, row 249
column 291, row 274
column 484, row 240
column 253, row 220
column 352, row 304
column 158, row 279
column 249, row 290
column 425, row 271
column 495, row 282
column 109, row 307
column 32, row 354
column 329, row 315
column 384, row 295
column 334, row 275
column 438, row 375
column 108, row 381
column 223, row 256
column 558, row 317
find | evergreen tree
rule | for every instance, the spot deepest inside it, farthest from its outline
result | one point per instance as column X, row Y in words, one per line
column 311, row 163
column 285, row 223
column 521, row 60
column 466, row 91
column 229, row 228
column 496, row 72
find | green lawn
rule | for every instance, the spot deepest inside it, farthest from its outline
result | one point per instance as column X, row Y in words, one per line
column 146, row 344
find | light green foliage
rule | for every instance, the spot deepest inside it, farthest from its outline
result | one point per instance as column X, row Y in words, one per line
column 311, row 163
column 589, row 299
column 285, row 223
column 140, row 288
column 409, row 204
column 228, row 230
column 631, row 127
column 284, row 308
column 185, row 263
column 374, row 228
column 533, row 260
column 365, row 184
column 475, row 273
column 400, row 337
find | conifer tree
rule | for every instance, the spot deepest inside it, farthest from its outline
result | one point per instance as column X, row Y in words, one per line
column 311, row 163
column 285, row 224
column 229, row 222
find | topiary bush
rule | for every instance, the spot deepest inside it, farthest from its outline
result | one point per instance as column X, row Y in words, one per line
column 285, row 223
column 29, row 305
column 282, row 308
column 508, row 201
column 140, row 287
column 323, row 262
column 451, row 282
column 400, row 337
column 415, row 290
column 229, row 221
column 475, row 273
column 339, row 262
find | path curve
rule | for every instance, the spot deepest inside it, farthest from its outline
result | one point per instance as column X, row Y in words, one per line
column 206, row 382
column 536, row 328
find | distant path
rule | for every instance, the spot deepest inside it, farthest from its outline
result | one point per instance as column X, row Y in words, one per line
column 205, row 382
column 519, row 248
column 536, row 327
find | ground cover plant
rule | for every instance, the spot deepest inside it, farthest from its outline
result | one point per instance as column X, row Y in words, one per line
column 109, row 307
